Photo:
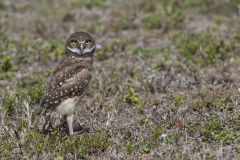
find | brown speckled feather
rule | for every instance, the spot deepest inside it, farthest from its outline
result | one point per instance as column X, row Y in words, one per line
column 69, row 79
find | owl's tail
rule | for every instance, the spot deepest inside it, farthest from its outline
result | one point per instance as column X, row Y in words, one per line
column 46, row 115
column 48, row 123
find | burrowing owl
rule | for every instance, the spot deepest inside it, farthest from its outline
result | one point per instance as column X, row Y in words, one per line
column 71, row 77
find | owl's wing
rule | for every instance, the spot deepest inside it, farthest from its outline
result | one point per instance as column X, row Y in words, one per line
column 64, row 84
column 64, row 70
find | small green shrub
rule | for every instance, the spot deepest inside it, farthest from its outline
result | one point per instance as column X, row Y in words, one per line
column 146, row 149
column 215, row 131
column 130, row 147
column 132, row 97
column 5, row 63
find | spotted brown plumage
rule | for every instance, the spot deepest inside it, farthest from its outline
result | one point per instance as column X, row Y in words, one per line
column 67, row 82
column 71, row 77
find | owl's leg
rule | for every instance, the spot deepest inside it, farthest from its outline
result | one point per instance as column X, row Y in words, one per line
column 69, row 119
column 73, row 127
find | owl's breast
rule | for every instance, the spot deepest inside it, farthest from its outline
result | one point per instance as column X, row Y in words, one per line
column 67, row 107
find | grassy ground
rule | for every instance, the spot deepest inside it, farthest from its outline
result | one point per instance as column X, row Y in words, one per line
column 165, row 85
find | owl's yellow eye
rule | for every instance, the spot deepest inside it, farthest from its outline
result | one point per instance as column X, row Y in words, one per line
column 88, row 42
column 74, row 42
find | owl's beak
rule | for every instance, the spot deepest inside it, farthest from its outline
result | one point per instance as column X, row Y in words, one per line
column 81, row 47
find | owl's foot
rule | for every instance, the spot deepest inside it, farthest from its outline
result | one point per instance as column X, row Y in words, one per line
column 89, row 130
column 72, row 126
column 81, row 130
column 77, row 129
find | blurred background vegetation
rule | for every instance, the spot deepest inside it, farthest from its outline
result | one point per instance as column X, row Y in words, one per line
column 165, row 83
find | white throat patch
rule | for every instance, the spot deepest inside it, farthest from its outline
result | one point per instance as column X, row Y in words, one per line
column 78, row 51
column 87, row 50
column 75, row 50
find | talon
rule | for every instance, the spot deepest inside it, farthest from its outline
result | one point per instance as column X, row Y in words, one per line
column 89, row 130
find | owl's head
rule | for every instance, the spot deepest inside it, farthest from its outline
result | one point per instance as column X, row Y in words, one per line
column 80, row 43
